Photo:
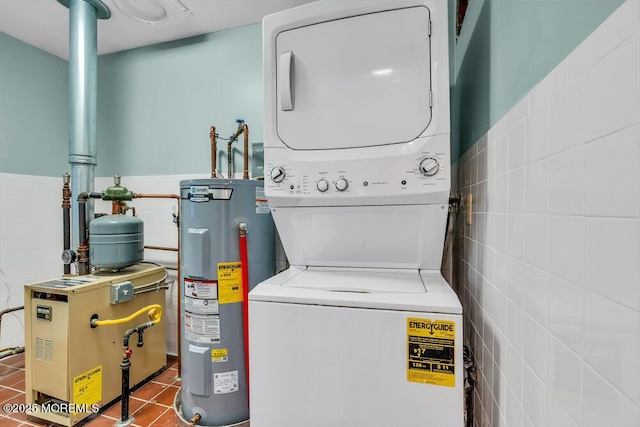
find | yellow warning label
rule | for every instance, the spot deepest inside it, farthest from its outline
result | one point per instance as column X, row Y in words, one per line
column 219, row 354
column 87, row 387
column 431, row 352
column 230, row 282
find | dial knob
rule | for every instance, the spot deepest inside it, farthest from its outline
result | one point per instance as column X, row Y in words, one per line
column 278, row 174
column 322, row 185
column 429, row 166
column 342, row 184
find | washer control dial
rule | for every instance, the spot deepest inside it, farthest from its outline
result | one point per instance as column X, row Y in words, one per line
column 278, row 174
column 342, row 184
column 322, row 185
column 429, row 166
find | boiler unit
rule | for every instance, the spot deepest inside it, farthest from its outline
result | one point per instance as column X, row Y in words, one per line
column 362, row 329
column 73, row 367
column 226, row 229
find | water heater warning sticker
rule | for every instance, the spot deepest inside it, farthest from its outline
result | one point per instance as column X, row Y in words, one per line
column 230, row 282
column 219, row 355
column 430, row 352
column 262, row 205
column 202, row 328
column 201, row 289
column 201, row 306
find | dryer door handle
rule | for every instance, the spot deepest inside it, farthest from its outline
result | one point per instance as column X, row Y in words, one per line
column 286, row 81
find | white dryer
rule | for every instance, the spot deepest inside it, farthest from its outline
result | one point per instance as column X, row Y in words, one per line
column 362, row 330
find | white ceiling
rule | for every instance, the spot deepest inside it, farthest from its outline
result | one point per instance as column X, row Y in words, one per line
column 45, row 23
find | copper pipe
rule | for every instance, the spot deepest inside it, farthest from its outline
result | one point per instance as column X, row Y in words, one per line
column 66, row 218
column 156, row 196
column 214, row 153
column 194, row 420
column 177, row 198
column 245, row 129
column 117, row 208
column 161, row 248
column 84, row 263
column 233, row 139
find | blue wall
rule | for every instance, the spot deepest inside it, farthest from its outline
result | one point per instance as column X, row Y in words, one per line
column 156, row 104
column 505, row 48
column 34, row 119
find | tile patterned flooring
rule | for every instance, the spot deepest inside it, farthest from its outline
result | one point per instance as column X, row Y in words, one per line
column 151, row 404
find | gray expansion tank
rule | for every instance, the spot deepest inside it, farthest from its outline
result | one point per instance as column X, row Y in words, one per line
column 214, row 381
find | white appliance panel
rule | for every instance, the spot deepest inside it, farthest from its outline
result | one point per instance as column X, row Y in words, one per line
column 384, row 175
column 373, row 288
column 358, row 280
column 319, row 366
column 409, row 236
column 355, row 82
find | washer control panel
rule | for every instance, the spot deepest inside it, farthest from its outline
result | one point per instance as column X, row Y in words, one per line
column 338, row 177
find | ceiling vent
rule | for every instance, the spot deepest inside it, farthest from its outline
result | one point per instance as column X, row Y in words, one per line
column 147, row 11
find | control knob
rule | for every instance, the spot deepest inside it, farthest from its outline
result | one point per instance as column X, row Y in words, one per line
column 429, row 166
column 278, row 174
column 342, row 184
column 322, row 185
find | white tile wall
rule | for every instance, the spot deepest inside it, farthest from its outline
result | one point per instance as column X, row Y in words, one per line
column 549, row 273
column 30, row 243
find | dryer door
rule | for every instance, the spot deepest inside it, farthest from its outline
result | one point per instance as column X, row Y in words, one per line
column 355, row 82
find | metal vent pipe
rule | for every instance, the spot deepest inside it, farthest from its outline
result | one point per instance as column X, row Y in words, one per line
column 83, row 89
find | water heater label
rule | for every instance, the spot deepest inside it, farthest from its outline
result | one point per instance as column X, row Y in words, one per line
column 262, row 205
column 225, row 382
column 201, row 289
column 201, row 306
column 230, row 282
column 199, row 193
column 202, row 328
column 219, row 355
column 431, row 351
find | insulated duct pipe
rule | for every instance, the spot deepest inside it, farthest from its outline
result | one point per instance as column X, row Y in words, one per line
column 83, row 89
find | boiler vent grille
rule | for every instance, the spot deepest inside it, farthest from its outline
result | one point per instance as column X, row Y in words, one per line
column 44, row 350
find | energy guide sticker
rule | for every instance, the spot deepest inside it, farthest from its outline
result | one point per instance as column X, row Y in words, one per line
column 230, row 282
column 431, row 352
column 87, row 387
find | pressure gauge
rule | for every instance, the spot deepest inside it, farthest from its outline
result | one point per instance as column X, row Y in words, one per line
column 68, row 257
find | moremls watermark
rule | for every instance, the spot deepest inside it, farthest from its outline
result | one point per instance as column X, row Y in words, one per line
column 50, row 407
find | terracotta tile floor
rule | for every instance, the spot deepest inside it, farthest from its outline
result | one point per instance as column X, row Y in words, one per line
column 151, row 404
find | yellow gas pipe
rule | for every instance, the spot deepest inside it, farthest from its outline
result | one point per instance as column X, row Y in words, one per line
column 154, row 312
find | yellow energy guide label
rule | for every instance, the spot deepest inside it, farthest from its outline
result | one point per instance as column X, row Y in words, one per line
column 431, row 348
column 230, row 282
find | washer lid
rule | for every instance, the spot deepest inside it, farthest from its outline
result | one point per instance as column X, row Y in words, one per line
column 358, row 280
column 385, row 289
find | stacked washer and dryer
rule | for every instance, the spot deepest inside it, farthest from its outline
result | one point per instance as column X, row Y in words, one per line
column 362, row 329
